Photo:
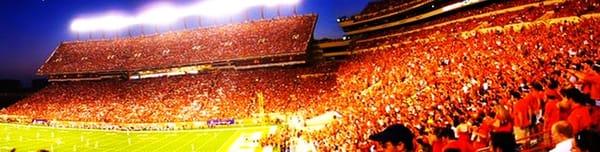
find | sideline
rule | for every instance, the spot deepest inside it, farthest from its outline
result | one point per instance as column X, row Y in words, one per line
column 134, row 132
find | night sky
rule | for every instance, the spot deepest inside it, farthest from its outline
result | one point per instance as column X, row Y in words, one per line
column 31, row 29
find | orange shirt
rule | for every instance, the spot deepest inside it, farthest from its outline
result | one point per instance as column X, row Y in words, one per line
column 484, row 130
column 551, row 114
column 553, row 93
column 591, row 85
column 533, row 101
column 486, row 127
column 521, row 113
column 580, row 118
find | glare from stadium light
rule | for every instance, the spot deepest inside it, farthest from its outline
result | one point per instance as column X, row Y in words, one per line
column 159, row 15
column 272, row 3
column 218, row 8
column 109, row 22
column 165, row 13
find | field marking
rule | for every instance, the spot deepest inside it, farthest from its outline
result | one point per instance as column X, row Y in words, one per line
column 192, row 142
column 28, row 140
column 134, row 132
column 245, row 142
column 110, row 140
column 170, row 142
column 226, row 143
column 214, row 136
column 163, row 138
column 75, row 141
column 100, row 138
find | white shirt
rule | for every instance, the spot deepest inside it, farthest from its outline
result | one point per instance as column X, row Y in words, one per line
column 305, row 146
column 563, row 146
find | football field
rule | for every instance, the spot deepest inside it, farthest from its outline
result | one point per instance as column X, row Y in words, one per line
column 33, row 138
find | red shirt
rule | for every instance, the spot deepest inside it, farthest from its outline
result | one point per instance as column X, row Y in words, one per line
column 553, row 93
column 462, row 143
column 521, row 113
column 439, row 145
column 579, row 118
column 486, row 127
column 591, row 85
column 533, row 100
column 551, row 114
column 508, row 127
column 484, row 133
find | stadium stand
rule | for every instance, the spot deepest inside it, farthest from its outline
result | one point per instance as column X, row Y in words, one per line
column 216, row 94
column 378, row 8
column 451, row 82
column 501, row 13
column 432, row 85
column 357, row 23
column 282, row 36
column 478, row 77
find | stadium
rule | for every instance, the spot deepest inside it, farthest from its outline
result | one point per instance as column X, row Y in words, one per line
column 407, row 75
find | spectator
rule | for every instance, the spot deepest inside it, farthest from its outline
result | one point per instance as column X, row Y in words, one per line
column 443, row 137
column 562, row 133
column 503, row 142
column 551, row 110
column 579, row 117
column 586, row 141
column 395, row 138
column 463, row 143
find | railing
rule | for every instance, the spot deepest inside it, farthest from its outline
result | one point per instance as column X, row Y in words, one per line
column 528, row 146
column 538, row 137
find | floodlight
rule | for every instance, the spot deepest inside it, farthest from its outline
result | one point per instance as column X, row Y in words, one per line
column 79, row 25
column 113, row 22
column 218, row 8
column 161, row 15
column 109, row 22
column 272, row 3
column 166, row 13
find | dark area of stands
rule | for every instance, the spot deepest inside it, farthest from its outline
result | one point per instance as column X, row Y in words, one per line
column 12, row 91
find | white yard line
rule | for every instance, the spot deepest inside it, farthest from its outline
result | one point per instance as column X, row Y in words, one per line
column 176, row 139
column 208, row 141
column 225, row 144
column 192, row 142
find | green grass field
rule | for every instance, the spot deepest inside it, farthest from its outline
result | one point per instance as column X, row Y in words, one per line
column 32, row 138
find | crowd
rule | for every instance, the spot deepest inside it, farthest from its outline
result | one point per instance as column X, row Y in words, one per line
column 215, row 94
column 397, row 15
column 531, row 13
column 383, row 7
column 458, row 93
column 229, row 42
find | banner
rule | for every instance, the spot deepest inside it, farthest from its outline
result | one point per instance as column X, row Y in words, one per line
column 215, row 122
column 39, row 121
